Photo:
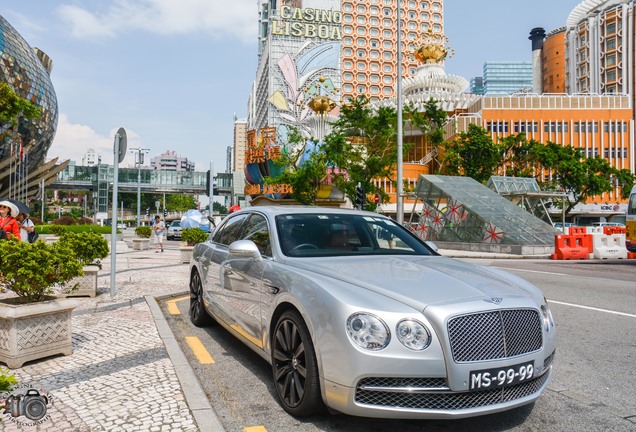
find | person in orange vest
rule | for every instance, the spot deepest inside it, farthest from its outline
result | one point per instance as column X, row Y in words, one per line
column 8, row 223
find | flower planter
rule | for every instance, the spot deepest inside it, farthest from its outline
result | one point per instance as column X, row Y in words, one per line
column 185, row 253
column 35, row 330
column 141, row 244
column 87, row 283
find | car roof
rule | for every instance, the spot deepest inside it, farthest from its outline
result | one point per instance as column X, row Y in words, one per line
column 292, row 209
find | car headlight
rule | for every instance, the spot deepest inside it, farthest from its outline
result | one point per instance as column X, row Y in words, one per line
column 413, row 334
column 368, row 331
column 548, row 321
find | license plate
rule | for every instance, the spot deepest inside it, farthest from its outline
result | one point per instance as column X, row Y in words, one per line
column 500, row 377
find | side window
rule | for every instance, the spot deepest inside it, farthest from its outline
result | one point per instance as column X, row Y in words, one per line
column 256, row 229
column 230, row 230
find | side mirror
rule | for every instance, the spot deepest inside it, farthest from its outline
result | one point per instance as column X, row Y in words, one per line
column 245, row 249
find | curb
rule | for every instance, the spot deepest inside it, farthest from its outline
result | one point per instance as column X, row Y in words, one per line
column 203, row 413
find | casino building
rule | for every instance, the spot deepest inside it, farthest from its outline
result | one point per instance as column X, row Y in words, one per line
column 22, row 156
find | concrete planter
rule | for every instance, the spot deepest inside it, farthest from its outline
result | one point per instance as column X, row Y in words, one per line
column 141, row 244
column 35, row 330
column 87, row 283
column 185, row 253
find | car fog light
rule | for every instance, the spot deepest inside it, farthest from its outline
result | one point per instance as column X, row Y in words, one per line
column 368, row 331
column 413, row 334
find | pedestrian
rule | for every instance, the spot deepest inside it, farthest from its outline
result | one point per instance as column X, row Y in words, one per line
column 159, row 228
column 26, row 226
column 8, row 224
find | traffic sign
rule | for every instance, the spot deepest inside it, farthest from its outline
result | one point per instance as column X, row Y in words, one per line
column 376, row 199
column 121, row 150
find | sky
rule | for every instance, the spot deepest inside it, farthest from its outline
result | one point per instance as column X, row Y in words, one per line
column 175, row 74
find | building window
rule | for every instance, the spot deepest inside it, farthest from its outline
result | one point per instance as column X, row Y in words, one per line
column 374, row 54
column 375, row 90
column 387, row 79
column 362, row 89
column 362, row 78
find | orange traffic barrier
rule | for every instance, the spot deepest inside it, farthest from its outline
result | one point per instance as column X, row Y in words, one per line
column 571, row 247
column 631, row 255
column 577, row 230
column 609, row 230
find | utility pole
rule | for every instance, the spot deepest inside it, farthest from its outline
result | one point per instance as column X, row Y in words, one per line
column 139, row 160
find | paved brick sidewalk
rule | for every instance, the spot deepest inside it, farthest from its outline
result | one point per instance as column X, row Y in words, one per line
column 119, row 377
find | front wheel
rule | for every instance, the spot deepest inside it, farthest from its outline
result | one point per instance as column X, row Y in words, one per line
column 198, row 315
column 294, row 367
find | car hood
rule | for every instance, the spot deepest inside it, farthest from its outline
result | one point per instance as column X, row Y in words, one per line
column 421, row 281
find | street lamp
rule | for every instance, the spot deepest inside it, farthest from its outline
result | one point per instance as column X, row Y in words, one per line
column 139, row 160
column 399, row 209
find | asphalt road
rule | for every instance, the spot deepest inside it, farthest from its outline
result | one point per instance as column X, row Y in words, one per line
column 593, row 389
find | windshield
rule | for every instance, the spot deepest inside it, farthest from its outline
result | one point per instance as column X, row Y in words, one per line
column 175, row 224
column 306, row 235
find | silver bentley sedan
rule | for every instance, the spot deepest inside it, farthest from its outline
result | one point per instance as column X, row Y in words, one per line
column 355, row 313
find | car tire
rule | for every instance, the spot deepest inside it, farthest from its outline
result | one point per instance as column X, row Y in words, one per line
column 198, row 315
column 294, row 367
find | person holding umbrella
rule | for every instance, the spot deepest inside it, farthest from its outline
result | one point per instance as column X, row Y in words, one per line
column 8, row 223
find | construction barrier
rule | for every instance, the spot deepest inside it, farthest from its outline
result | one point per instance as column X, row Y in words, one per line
column 591, row 242
column 571, row 247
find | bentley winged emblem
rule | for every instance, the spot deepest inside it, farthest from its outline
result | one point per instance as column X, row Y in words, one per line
column 494, row 300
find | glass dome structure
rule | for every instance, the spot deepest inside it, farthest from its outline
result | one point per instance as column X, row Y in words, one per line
column 27, row 71
column 460, row 209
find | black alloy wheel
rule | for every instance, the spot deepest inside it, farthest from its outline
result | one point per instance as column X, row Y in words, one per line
column 294, row 367
column 198, row 315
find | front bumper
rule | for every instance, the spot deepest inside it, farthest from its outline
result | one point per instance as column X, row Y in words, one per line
column 429, row 398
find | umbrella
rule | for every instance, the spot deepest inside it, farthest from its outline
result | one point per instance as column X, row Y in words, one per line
column 22, row 208
column 191, row 219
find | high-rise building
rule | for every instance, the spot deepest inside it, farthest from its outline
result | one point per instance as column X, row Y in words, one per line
column 170, row 161
column 599, row 46
column 369, row 43
column 91, row 158
column 240, row 145
column 507, row 77
column 477, row 85
column 26, row 70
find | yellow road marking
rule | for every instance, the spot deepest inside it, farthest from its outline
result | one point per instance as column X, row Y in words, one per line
column 254, row 429
column 172, row 305
column 199, row 350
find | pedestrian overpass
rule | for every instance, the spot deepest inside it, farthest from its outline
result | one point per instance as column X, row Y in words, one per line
column 99, row 180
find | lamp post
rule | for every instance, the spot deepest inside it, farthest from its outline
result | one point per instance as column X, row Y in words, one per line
column 139, row 160
column 399, row 209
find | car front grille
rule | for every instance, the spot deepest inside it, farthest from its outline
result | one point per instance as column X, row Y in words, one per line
column 495, row 335
column 410, row 398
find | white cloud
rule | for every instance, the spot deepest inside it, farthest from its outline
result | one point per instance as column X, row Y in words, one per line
column 72, row 141
column 216, row 17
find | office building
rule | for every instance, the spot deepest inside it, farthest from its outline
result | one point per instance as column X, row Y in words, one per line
column 170, row 161
column 507, row 77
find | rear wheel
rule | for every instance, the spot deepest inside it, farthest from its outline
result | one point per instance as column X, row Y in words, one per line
column 294, row 367
column 198, row 315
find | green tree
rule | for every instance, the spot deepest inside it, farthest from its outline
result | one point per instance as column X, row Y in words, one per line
column 304, row 177
column 579, row 177
column 516, row 153
column 180, row 202
column 219, row 208
column 13, row 107
column 371, row 155
column 473, row 154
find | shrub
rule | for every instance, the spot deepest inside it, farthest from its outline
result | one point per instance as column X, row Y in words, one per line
column 58, row 230
column 55, row 229
column 7, row 380
column 143, row 231
column 89, row 247
column 193, row 236
column 32, row 269
column 65, row 220
column 85, row 221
